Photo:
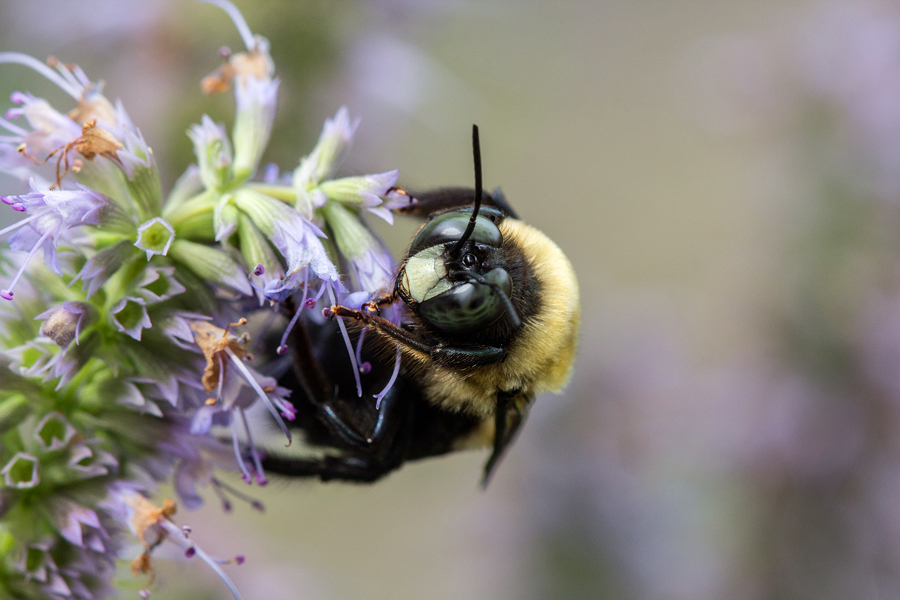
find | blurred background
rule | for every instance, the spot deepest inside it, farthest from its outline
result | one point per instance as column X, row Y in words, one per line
column 725, row 177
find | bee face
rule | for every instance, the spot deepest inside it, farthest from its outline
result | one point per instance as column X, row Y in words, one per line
column 456, row 291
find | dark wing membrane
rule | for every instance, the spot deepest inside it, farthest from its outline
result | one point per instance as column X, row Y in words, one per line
column 442, row 199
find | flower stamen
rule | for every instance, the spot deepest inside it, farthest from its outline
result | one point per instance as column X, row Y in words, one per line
column 254, row 453
column 238, row 455
column 7, row 293
column 349, row 345
column 221, row 487
column 248, row 376
column 46, row 71
column 282, row 347
column 391, row 381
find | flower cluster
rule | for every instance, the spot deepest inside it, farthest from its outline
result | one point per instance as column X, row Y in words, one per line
column 119, row 366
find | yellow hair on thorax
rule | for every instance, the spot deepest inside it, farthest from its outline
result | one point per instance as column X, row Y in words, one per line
column 540, row 358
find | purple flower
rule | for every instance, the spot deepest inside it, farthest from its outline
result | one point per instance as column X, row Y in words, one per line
column 374, row 269
column 396, row 198
column 155, row 237
column 43, row 358
column 158, row 284
column 81, row 527
column 135, row 155
column 52, row 213
column 103, row 265
column 371, row 264
column 50, row 129
column 296, row 238
column 52, row 133
column 87, row 460
column 53, row 432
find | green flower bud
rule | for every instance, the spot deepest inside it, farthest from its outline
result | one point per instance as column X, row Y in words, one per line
column 211, row 264
column 364, row 191
column 351, row 236
column 255, row 248
column 213, row 151
column 256, row 99
column 225, row 217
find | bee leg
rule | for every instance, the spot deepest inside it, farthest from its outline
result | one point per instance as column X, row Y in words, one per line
column 312, row 381
column 508, row 420
column 387, row 415
column 383, row 327
column 376, row 456
column 382, row 301
column 479, row 356
column 344, row 468
column 340, row 427
column 451, row 356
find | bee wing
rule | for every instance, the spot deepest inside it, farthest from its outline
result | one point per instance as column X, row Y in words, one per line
column 510, row 417
column 441, row 199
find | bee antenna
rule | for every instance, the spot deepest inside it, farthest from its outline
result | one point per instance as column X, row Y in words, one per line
column 476, row 152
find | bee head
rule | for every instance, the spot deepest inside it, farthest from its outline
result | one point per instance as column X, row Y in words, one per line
column 455, row 276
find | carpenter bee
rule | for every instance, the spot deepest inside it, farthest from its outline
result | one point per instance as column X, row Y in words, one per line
column 489, row 318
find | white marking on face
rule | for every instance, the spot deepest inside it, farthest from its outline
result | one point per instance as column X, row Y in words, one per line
column 425, row 274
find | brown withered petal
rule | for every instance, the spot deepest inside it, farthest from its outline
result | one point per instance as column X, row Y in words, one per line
column 213, row 340
column 96, row 140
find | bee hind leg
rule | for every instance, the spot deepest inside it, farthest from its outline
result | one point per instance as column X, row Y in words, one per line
column 352, row 468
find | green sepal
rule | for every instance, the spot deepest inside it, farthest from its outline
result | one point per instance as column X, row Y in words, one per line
column 13, row 410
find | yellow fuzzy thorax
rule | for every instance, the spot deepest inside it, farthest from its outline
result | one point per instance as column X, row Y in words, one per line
column 540, row 358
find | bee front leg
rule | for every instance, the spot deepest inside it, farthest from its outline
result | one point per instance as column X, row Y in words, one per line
column 449, row 356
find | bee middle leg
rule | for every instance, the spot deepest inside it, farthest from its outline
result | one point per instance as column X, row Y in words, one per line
column 370, row 458
column 386, row 416
column 364, row 442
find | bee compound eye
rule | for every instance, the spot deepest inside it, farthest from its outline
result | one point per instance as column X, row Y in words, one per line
column 449, row 227
column 468, row 306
